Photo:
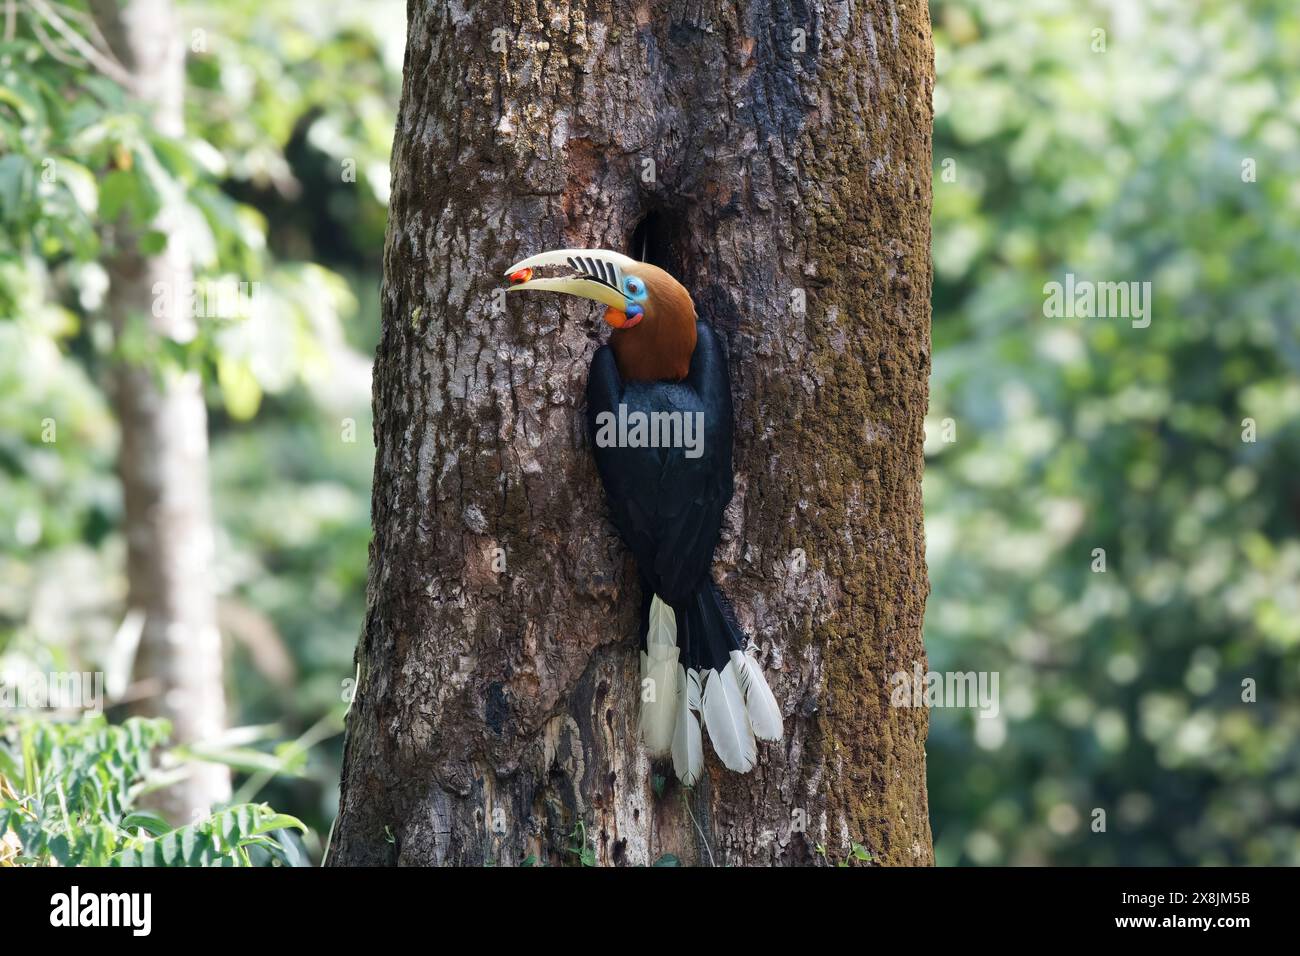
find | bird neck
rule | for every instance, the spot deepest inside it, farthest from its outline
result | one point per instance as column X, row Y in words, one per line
column 660, row 346
column 656, row 349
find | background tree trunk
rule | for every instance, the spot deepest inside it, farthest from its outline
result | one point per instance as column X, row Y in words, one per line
column 164, row 454
column 771, row 155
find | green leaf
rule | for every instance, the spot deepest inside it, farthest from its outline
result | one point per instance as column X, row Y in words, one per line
column 80, row 184
column 24, row 100
column 169, row 848
column 16, row 182
column 153, row 242
column 148, row 821
column 280, row 821
column 60, row 849
column 117, row 193
column 193, row 843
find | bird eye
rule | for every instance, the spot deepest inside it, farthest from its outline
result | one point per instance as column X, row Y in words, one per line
column 633, row 285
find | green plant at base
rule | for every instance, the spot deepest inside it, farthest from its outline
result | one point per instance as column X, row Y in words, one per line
column 858, row 854
column 579, row 847
column 69, row 793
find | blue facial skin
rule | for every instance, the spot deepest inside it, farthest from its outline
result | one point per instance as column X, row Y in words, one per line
column 635, row 291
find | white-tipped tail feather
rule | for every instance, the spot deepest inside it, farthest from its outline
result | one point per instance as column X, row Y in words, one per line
column 688, row 745
column 727, row 721
column 760, row 704
column 659, row 679
column 734, row 704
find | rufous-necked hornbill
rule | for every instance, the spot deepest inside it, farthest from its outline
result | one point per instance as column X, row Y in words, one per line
column 666, row 501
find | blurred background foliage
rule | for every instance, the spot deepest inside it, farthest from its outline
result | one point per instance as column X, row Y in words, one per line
column 1120, row 690
column 284, row 180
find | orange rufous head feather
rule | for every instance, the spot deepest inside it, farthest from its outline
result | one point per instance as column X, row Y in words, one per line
column 651, row 313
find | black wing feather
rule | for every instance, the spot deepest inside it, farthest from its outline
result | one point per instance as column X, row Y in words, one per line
column 668, row 507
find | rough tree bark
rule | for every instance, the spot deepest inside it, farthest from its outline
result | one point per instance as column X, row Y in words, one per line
column 775, row 156
column 163, row 460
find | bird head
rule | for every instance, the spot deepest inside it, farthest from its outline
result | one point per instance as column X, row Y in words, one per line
column 634, row 292
column 652, row 314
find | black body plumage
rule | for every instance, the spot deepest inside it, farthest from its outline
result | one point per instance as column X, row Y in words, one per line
column 668, row 506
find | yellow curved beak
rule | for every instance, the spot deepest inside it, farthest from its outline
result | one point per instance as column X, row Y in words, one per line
column 595, row 274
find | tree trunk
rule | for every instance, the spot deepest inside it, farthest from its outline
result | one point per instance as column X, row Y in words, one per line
column 775, row 157
column 163, row 459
